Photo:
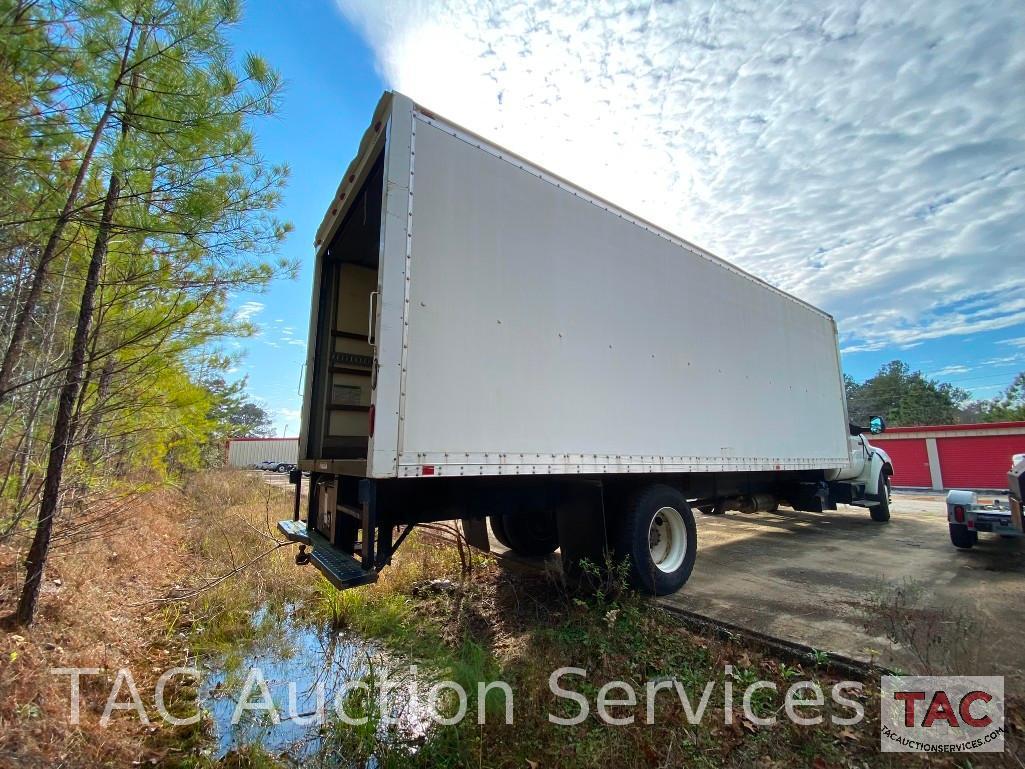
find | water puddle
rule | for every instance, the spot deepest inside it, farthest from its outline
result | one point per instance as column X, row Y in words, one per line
column 315, row 679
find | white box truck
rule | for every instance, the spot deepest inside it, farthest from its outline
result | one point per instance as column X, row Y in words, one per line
column 490, row 342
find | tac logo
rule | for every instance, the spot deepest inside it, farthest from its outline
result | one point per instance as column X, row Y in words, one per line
column 942, row 714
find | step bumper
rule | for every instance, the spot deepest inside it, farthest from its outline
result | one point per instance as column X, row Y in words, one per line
column 341, row 569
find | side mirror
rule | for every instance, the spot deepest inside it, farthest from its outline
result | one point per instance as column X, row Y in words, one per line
column 876, row 425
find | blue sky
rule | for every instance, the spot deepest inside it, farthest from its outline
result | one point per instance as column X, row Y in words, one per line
column 869, row 158
column 332, row 88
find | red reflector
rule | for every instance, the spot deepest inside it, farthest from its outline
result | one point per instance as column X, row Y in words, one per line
column 370, row 419
column 971, row 524
column 959, row 513
column 427, row 470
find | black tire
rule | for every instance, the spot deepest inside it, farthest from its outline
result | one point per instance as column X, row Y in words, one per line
column 632, row 539
column 498, row 529
column 718, row 508
column 531, row 534
column 280, row 469
column 881, row 513
column 961, row 537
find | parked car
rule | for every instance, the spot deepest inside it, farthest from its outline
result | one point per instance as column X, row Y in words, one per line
column 274, row 465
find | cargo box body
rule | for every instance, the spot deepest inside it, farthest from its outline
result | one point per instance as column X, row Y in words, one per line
column 476, row 315
column 491, row 344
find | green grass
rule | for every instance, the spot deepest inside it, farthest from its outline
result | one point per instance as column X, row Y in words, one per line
column 496, row 625
column 246, row 757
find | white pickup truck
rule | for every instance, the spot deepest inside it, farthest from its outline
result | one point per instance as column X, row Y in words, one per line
column 491, row 343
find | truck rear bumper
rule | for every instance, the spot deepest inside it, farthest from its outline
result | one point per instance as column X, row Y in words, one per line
column 341, row 569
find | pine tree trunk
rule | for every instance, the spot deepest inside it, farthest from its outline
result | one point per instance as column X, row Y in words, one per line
column 63, row 427
column 21, row 319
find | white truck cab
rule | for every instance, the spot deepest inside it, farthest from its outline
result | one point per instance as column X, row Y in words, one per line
column 871, row 467
column 869, row 464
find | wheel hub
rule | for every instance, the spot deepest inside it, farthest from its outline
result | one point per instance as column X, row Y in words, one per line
column 667, row 539
column 655, row 534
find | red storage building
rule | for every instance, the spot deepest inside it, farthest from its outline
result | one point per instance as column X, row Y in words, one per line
column 910, row 461
column 953, row 456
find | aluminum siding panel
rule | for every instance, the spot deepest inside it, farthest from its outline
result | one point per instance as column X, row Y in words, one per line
column 551, row 333
column 243, row 452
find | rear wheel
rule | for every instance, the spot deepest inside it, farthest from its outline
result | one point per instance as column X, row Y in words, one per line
column 498, row 529
column 962, row 537
column 656, row 532
column 881, row 512
column 280, row 469
column 530, row 534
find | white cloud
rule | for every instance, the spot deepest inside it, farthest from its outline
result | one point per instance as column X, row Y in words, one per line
column 947, row 370
column 988, row 388
column 870, row 157
column 286, row 421
column 1005, row 360
column 248, row 310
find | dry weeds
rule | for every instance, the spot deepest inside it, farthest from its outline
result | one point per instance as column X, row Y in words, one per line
column 104, row 606
column 90, row 615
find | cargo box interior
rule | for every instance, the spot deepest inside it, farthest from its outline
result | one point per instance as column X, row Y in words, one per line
column 343, row 375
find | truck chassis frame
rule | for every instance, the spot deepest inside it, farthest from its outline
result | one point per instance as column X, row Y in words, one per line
column 371, row 518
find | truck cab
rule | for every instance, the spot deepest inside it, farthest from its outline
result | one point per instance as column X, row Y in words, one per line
column 869, row 464
column 870, row 468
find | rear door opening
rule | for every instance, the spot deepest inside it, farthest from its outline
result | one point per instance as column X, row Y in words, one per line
column 344, row 363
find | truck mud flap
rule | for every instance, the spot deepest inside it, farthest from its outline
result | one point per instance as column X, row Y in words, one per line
column 582, row 536
column 475, row 532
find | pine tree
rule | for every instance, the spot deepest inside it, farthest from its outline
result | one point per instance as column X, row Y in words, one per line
column 168, row 208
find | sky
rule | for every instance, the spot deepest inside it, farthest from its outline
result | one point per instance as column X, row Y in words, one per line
column 866, row 157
